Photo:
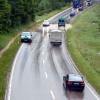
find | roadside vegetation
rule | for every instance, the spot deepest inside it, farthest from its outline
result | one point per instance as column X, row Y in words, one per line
column 15, row 14
column 5, row 66
column 83, row 42
column 7, row 58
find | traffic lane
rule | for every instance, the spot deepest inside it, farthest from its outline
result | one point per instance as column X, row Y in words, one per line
column 89, row 91
column 21, row 54
column 18, row 68
column 36, row 85
column 63, row 69
column 49, row 75
column 30, row 86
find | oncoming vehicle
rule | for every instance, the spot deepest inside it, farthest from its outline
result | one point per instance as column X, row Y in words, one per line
column 46, row 23
column 55, row 37
column 72, row 13
column 26, row 37
column 61, row 22
column 80, row 7
column 73, row 82
column 89, row 2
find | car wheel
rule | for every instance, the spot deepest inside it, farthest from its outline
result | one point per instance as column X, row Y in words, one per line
column 21, row 41
column 30, row 41
column 82, row 90
column 64, row 86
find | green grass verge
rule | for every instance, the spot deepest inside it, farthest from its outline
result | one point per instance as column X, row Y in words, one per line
column 7, row 58
column 83, row 42
column 5, row 66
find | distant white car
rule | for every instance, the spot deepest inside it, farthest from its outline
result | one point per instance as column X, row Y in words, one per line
column 73, row 12
column 89, row 2
column 46, row 23
column 26, row 37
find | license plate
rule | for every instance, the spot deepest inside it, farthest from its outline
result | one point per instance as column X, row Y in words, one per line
column 76, row 83
column 25, row 39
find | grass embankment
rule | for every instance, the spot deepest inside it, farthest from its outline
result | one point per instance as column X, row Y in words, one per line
column 83, row 42
column 7, row 58
column 5, row 66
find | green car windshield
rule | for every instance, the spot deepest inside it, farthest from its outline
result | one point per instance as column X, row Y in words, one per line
column 61, row 20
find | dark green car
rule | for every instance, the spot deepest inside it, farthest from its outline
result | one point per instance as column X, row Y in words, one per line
column 61, row 22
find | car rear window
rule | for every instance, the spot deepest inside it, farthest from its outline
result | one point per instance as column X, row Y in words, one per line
column 75, row 78
column 26, row 33
column 61, row 20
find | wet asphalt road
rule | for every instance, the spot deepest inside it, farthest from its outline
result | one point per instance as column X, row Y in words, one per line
column 38, row 71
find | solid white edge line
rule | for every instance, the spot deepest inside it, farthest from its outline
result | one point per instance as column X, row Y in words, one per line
column 92, row 91
column 59, row 13
column 12, row 73
column 87, row 84
column 52, row 94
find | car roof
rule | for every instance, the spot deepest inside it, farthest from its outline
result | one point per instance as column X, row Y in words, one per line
column 75, row 77
column 61, row 18
column 26, row 32
column 46, row 21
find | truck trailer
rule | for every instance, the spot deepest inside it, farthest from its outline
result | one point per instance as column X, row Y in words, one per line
column 55, row 37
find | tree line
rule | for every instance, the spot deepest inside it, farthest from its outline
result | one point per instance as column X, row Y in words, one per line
column 18, row 12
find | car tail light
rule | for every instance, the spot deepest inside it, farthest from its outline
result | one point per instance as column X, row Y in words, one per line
column 82, row 82
column 69, row 82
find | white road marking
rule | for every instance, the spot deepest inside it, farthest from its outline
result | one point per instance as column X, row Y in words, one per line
column 46, row 75
column 88, row 86
column 43, row 61
column 59, row 14
column 52, row 94
column 12, row 73
column 92, row 91
column 42, row 53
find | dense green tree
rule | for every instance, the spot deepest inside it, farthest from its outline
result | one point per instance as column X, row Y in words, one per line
column 44, row 4
column 17, row 10
column 22, row 11
column 29, row 13
column 4, row 15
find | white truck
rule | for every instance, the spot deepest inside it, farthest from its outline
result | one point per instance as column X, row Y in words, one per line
column 55, row 37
